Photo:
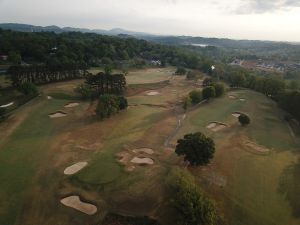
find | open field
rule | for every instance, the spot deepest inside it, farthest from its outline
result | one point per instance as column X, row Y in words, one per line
column 246, row 183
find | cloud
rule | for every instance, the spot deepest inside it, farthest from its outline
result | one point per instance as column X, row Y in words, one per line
column 263, row 6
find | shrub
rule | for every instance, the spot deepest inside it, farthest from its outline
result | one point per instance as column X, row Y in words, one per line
column 195, row 96
column 209, row 92
column 28, row 89
column 180, row 71
column 191, row 75
column 244, row 119
column 186, row 102
column 219, row 88
column 207, row 82
column 123, row 103
column 107, row 106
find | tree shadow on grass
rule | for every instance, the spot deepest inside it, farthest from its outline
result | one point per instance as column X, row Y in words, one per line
column 289, row 185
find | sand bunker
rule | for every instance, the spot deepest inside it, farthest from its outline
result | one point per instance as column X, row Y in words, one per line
column 152, row 93
column 7, row 105
column 71, row 105
column 215, row 126
column 142, row 161
column 75, row 203
column 93, row 146
column 57, row 114
column 49, row 97
column 242, row 99
column 253, row 147
column 123, row 157
column 75, row 168
column 232, row 96
column 143, row 150
column 236, row 114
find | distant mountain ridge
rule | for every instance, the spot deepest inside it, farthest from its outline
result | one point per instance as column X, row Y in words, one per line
column 162, row 39
column 56, row 29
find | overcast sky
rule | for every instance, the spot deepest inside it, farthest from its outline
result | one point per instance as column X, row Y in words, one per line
column 239, row 19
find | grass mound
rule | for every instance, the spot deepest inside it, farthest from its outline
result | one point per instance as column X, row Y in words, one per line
column 101, row 173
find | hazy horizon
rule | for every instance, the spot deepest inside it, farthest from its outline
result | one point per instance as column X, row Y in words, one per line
column 276, row 20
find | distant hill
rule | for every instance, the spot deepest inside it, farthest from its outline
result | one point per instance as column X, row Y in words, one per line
column 252, row 47
column 56, row 29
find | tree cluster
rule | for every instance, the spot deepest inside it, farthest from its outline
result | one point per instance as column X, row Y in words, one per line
column 106, row 83
column 109, row 105
column 192, row 206
column 91, row 49
column 290, row 101
column 43, row 74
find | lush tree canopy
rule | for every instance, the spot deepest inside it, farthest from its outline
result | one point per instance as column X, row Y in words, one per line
column 107, row 106
column 244, row 119
column 28, row 89
column 192, row 206
column 196, row 148
column 195, row 96
column 219, row 88
column 209, row 92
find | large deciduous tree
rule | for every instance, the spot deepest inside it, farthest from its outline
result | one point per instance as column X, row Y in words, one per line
column 196, row 148
column 244, row 119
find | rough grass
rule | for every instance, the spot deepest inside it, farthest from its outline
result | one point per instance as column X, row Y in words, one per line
column 19, row 157
column 249, row 197
column 149, row 75
column 251, row 194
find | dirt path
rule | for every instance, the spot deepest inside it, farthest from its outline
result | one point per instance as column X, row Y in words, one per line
column 180, row 118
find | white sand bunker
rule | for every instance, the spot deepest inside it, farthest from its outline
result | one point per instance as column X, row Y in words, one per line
column 232, row 96
column 75, row 203
column 75, row 168
column 142, row 161
column 49, row 97
column 152, row 93
column 71, row 105
column 143, row 150
column 93, row 146
column 254, row 147
column 57, row 114
column 242, row 99
column 123, row 157
column 7, row 105
column 216, row 126
column 236, row 114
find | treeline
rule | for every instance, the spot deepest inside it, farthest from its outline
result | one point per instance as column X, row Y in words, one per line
column 106, row 83
column 90, row 49
column 43, row 74
column 272, row 85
